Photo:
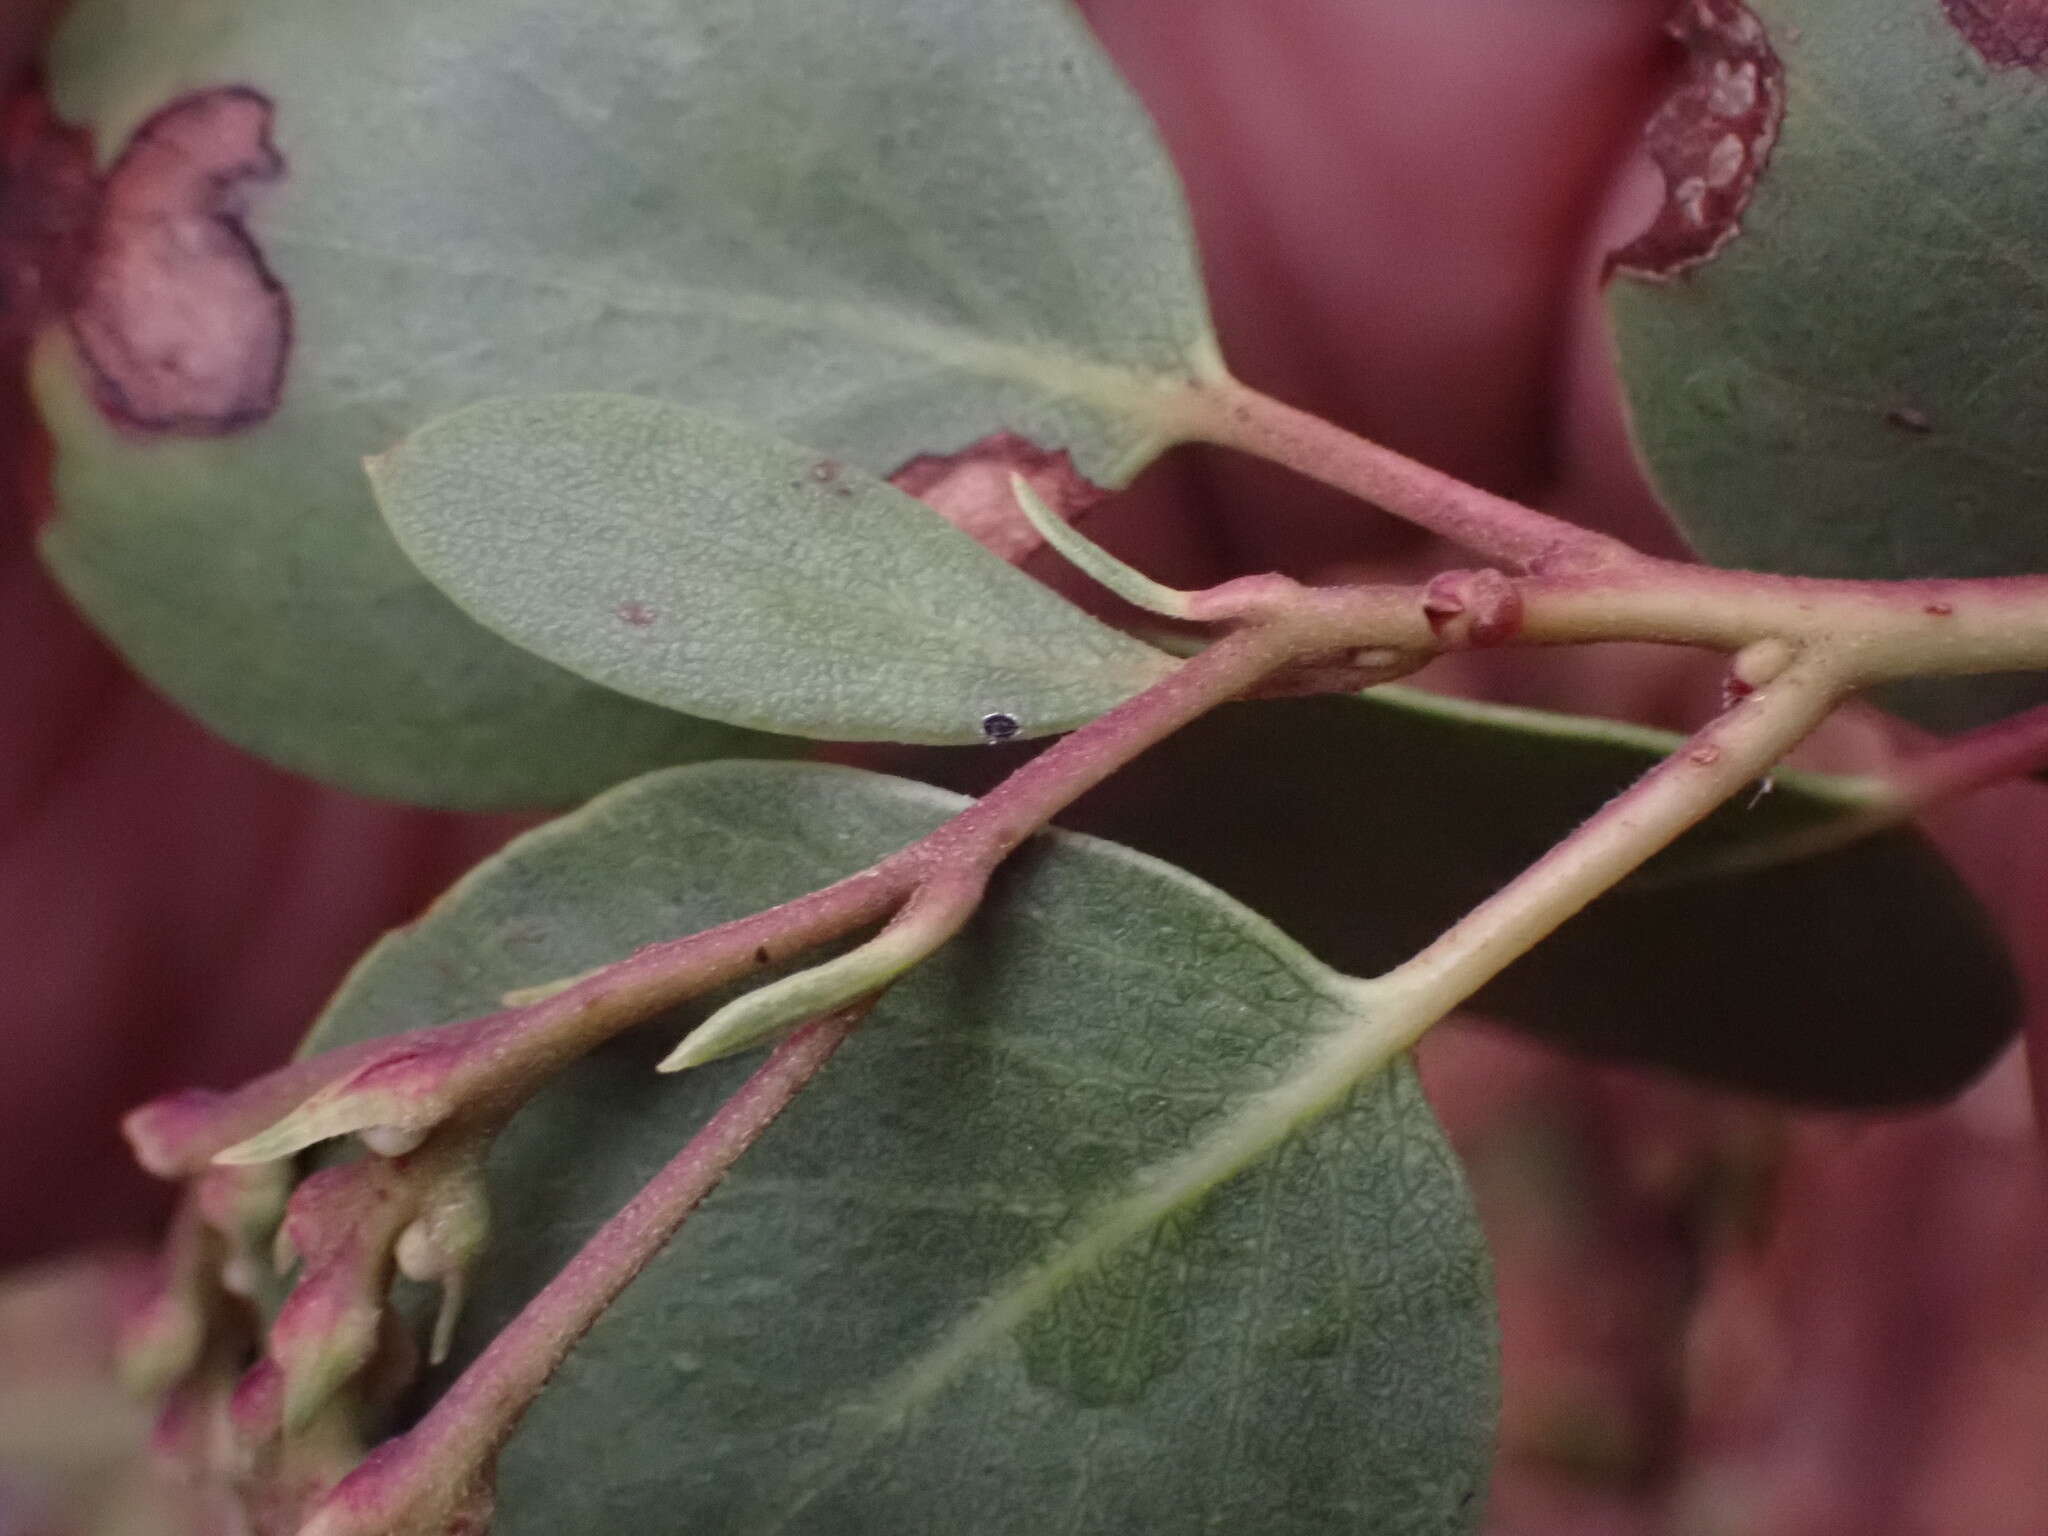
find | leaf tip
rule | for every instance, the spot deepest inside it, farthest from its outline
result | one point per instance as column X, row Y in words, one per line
column 1084, row 554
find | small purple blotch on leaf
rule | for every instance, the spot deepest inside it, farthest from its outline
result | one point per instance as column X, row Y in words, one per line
column 181, row 323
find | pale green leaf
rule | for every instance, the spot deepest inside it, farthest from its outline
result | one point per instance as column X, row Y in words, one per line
column 1853, row 385
column 857, row 1332
column 719, row 570
column 883, row 229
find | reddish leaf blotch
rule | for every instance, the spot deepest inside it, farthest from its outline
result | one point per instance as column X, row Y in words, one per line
column 971, row 490
column 183, row 326
column 1712, row 138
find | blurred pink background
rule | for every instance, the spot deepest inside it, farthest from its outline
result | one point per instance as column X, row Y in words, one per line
column 1718, row 1317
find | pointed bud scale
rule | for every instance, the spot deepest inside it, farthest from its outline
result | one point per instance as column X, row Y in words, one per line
column 326, row 1332
column 401, row 1095
column 166, row 1134
column 190, row 1435
column 161, row 1343
column 245, row 1207
column 333, row 1207
column 932, row 916
column 178, row 1136
column 343, row 1221
column 257, row 1408
column 194, row 1433
column 163, row 1339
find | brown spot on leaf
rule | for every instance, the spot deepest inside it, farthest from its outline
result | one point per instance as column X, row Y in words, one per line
column 971, row 490
column 2007, row 34
column 183, row 326
column 1711, row 138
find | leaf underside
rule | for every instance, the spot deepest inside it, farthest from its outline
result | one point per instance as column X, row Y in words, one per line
column 1307, row 1349
column 695, row 563
column 1852, row 386
column 1366, row 825
column 882, row 229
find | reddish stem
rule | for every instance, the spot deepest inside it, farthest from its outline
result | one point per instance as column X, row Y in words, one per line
column 2008, row 749
column 437, row 1468
column 1230, row 414
column 489, row 1065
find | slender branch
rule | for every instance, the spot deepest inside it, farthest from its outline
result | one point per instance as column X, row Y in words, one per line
column 1999, row 753
column 1879, row 631
column 1582, row 586
column 1872, row 631
column 1235, row 416
column 1384, row 1016
column 439, row 1471
column 1736, row 748
column 439, row 1468
column 2007, row 749
column 402, row 1087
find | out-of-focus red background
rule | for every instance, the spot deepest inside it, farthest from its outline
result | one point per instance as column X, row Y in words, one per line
column 1718, row 1317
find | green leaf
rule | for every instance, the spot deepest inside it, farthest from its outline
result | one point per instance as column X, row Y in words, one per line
column 723, row 571
column 882, row 229
column 855, row 1333
column 1364, row 826
column 1852, row 385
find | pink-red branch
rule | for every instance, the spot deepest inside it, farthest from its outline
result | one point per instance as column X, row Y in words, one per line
column 438, row 1473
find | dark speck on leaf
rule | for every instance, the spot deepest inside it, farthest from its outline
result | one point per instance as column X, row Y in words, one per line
column 998, row 727
column 1907, row 419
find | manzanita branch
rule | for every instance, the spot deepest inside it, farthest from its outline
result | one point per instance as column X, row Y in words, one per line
column 1233, row 415
column 1576, row 586
column 397, row 1090
column 1877, row 631
column 2006, row 749
column 435, row 1478
column 429, row 1102
column 933, row 915
column 1735, row 749
column 1998, row 753
column 1387, row 1014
